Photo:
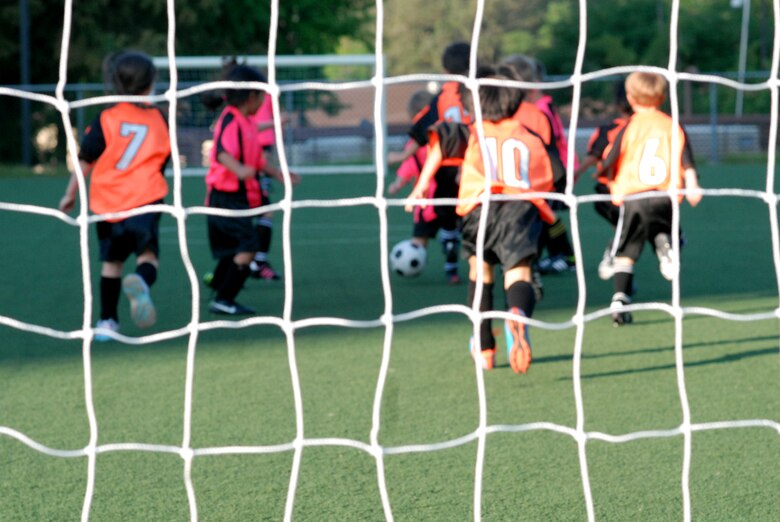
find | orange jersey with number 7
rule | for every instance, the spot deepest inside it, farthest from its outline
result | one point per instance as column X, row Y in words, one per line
column 645, row 157
column 128, row 146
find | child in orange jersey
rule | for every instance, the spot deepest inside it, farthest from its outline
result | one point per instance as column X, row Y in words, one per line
column 642, row 160
column 447, row 106
column 125, row 150
column 554, row 236
column 519, row 164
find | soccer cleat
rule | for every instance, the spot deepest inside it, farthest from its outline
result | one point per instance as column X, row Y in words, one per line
column 663, row 249
column 619, row 316
column 142, row 310
column 221, row 306
column 556, row 265
column 518, row 345
column 263, row 270
column 486, row 357
column 106, row 324
column 607, row 265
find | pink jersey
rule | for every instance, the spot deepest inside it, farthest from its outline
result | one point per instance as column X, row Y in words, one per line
column 411, row 167
column 545, row 103
column 265, row 114
column 236, row 135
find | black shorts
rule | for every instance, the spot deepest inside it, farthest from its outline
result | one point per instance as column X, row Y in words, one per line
column 230, row 235
column 512, row 233
column 133, row 235
column 427, row 226
column 428, row 221
column 606, row 209
column 643, row 219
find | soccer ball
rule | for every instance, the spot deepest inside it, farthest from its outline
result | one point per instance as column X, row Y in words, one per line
column 408, row 259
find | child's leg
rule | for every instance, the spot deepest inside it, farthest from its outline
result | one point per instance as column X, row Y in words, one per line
column 110, row 288
column 450, row 240
column 218, row 276
column 486, row 338
column 146, row 267
column 623, row 283
column 235, row 277
column 260, row 267
column 264, row 226
column 561, row 254
column 521, row 301
column 137, row 289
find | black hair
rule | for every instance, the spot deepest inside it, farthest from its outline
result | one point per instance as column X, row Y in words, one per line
column 418, row 101
column 524, row 67
column 242, row 73
column 455, row 58
column 129, row 72
column 621, row 100
column 499, row 102
column 234, row 72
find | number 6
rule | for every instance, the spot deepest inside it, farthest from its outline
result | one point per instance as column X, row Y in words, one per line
column 652, row 168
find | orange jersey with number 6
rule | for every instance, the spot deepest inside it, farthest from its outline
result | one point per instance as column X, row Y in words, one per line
column 646, row 157
column 128, row 146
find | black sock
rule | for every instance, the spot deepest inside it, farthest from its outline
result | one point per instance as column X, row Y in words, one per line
column 559, row 240
column 521, row 295
column 220, row 271
column 486, row 337
column 450, row 246
column 623, row 283
column 264, row 237
column 233, row 282
column 110, row 288
column 148, row 273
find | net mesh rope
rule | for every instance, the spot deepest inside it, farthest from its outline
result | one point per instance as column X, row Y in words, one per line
column 578, row 321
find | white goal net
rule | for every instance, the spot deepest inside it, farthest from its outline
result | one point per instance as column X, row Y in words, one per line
column 295, row 152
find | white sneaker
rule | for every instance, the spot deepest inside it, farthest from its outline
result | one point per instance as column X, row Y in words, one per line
column 106, row 324
column 142, row 310
column 607, row 265
column 663, row 249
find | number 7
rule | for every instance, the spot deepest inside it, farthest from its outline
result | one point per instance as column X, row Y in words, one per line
column 137, row 133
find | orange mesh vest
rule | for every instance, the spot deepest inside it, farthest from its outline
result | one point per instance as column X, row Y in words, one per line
column 128, row 174
column 450, row 106
column 646, row 156
column 609, row 134
column 535, row 120
column 518, row 163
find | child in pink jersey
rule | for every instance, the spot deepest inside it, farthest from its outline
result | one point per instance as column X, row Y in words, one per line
column 232, row 183
column 263, row 119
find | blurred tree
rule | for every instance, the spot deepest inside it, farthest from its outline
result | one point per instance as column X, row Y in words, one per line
column 203, row 27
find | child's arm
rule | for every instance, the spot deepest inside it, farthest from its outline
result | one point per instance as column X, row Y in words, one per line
column 68, row 200
column 399, row 157
column 692, row 188
column 236, row 167
column 587, row 163
column 277, row 174
column 429, row 169
column 269, row 124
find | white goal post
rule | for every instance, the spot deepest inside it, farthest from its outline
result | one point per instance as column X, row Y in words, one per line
column 319, row 140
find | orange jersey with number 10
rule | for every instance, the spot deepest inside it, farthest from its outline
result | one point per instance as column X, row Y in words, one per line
column 646, row 157
column 518, row 163
column 128, row 173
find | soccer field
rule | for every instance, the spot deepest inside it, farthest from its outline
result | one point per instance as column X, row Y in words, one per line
column 243, row 389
